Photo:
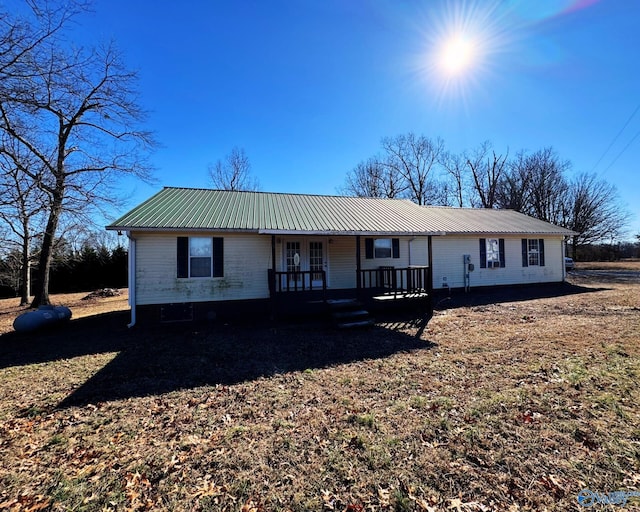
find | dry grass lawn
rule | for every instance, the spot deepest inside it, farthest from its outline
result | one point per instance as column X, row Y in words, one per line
column 609, row 265
column 500, row 404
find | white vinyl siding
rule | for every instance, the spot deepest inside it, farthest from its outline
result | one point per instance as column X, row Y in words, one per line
column 448, row 267
column 342, row 262
column 247, row 259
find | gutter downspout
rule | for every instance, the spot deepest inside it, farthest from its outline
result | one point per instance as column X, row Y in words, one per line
column 132, row 278
column 563, row 249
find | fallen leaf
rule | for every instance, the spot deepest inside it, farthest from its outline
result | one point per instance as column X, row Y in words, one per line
column 252, row 506
column 424, row 505
column 383, row 495
column 455, row 503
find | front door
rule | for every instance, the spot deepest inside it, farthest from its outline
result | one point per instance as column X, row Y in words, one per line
column 316, row 262
column 307, row 256
column 293, row 259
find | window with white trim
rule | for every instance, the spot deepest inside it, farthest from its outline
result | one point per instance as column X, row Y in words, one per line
column 382, row 248
column 199, row 256
column 534, row 252
column 493, row 253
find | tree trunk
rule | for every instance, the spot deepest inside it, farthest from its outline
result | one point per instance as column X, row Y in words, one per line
column 41, row 294
column 25, row 278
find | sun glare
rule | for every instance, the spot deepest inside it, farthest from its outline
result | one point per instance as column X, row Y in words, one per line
column 457, row 55
column 463, row 42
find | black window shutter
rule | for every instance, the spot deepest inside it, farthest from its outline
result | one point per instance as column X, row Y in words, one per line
column 483, row 253
column 395, row 247
column 368, row 248
column 541, row 251
column 183, row 256
column 502, row 257
column 218, row 257
column 525, row 252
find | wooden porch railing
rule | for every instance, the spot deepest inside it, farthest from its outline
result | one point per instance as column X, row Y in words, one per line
column 395, row 281
column 300, row 281
column 384, row 281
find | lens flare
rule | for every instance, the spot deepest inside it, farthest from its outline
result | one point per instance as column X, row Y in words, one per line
column 470, row 45
column 462, row 43
column 457, row 55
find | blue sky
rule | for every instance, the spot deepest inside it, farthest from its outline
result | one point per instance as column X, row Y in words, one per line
column 309, row 87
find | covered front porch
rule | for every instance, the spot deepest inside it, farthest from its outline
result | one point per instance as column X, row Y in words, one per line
column 353, row 268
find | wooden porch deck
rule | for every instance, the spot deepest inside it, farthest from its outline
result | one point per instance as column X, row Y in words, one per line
column 376, row 289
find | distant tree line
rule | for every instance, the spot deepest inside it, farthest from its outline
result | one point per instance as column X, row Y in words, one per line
column 537, row 183
column 609, row 252
column 90, row 266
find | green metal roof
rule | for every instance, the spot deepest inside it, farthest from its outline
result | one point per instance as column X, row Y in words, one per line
column 490, row 221
column 187, row 209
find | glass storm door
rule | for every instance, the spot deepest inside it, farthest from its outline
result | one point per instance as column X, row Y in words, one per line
column 316, row 262
column 293, row 259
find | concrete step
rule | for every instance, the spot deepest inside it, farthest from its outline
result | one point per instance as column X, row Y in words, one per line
column 353, row 325
column 336, row 304
column 339, row 315
column 349, row 313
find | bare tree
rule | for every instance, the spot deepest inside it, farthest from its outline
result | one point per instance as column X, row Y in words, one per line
column 548, row 186
column 233, row 172
column 486, row 169
column 514, row 187
column 594, row 211
column 415, row 159
column 373, row 179
column 22, row 207
column 73, row 111
column 454, row 166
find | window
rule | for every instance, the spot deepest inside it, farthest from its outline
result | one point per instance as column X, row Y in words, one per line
column 380, row 248
column 492, row 253
column 200, row 257
column 534, row 256
column 533, row 252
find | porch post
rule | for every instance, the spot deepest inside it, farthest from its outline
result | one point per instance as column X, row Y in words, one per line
column 272, row 277
column 358, row 267
column 430, row 277
column 273, row 252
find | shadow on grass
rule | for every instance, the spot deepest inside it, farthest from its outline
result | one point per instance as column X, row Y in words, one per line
column 163, row 358
column 85, row 336
column 498, row 294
